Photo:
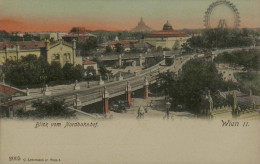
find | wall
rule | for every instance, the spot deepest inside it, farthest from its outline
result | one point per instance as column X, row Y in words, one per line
column 13, row 55
column 61, row 50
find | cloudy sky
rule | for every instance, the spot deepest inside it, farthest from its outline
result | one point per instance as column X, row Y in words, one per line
column 61, row 15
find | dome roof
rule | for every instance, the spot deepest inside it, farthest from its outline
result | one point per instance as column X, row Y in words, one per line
column 167, row 26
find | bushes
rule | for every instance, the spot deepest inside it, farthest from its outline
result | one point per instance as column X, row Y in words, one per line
column 222, row 38
column 47, row 110
column 32, row 71
column 248, row 59
column 196, row 77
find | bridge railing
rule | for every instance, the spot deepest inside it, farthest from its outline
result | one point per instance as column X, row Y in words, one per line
column 153, row 68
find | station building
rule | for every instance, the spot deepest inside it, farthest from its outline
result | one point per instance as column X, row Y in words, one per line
column 58, row 51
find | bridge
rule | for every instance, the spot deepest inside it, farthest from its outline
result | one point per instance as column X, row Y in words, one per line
column 94, row 94
column 118, row 59
column 86, row 96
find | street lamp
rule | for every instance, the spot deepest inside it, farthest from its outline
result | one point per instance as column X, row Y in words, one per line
column 43, row 77
column 108, row 77
column 168, row 105
column 88, row 84
column 133, row 98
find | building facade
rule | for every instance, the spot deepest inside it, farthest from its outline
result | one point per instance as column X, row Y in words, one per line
column 58, row 51
column 89, row 63
column 167, row 38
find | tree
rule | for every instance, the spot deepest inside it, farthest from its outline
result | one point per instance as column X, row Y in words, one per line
column 103, row 70
column 159, row 49
column 108, row 49
column 24, row 72
column 55, row 72
column 50, row 109
column 119, row 48
column 90, row 71
column 196, row 77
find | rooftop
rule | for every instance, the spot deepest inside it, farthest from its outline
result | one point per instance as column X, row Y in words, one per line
column 26, row 45
column 167, row 32
column 9, row 91
column 89, row 62
column 123, row 42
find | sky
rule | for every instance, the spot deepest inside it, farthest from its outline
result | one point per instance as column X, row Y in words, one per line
column 62, row 15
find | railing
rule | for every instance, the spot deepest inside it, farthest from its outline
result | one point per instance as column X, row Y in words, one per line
column 148, row 70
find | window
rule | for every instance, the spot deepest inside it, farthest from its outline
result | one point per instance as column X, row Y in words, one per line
column 67, row 56
column 55, row 57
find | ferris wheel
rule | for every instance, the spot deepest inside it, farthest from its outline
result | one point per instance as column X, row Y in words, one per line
column 222, row 22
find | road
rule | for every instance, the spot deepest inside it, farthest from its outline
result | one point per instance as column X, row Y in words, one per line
column 94, row 94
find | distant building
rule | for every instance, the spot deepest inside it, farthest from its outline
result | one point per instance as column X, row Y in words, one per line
column 167, row 38
column 126, row 44
column 8, row 107
column 58, row 51
column 141, row 27
column 89, row 63
column 17, row 33
column 52, row 36
column 79, row 34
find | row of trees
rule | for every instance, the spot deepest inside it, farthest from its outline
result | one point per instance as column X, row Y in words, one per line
column 5, row 36
column 222, row 38
column 31, row 70
column 250, row 59
column 52, row 109
column 196, row 78
column 105, row 36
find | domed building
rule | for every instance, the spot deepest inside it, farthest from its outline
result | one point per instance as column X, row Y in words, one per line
column 167, row 38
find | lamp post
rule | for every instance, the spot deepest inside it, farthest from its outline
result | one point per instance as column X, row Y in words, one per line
column 133, row 98
column 108, row 79
column 168, row 105
column 43, row 77
column 157, row 87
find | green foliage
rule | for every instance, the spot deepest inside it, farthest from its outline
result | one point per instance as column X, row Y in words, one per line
column 31, row 70
column 4, row 36
column 108, row 49
column 119, row 48
column 196, row 77
column 153, row 61
column 166, row 49
column 90, row 44
column 248, row 59
column 104, row 36
column 249, row 81
column 159, row 49
column 221, row 38
column 102, row 69
column 90, row 70
column 24, row 72
column 72, row 73
column 169, row 61
column 55, row 72
column 52, row 109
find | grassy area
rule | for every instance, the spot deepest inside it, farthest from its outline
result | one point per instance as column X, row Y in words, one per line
column 248, row 80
